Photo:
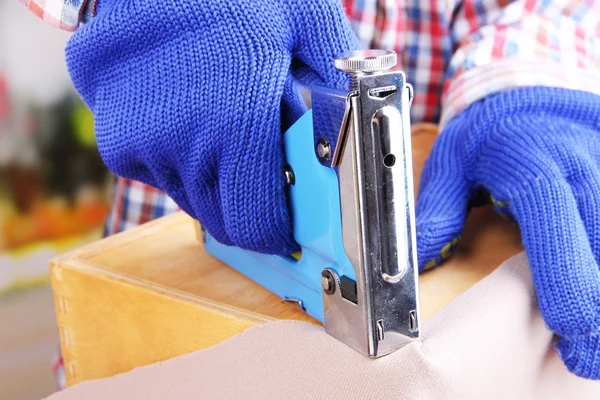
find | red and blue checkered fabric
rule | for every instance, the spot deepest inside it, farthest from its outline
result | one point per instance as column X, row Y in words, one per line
column 64, row 14
column 453, row 52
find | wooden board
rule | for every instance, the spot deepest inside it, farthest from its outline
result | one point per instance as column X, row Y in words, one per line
column 153, row 293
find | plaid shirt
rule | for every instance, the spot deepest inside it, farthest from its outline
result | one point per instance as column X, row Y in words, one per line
column 65, row 14
column 454, row 53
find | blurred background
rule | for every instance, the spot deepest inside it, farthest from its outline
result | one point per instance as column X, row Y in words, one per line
column 54, row 193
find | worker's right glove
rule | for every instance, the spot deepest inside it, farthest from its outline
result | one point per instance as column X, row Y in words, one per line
column 189, row 96
column 537, row 152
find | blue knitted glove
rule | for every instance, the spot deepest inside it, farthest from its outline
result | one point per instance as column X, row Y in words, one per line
column 537, row 152
column 190, row 96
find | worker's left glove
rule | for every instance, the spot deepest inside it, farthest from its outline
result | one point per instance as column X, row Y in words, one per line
column 537, row 152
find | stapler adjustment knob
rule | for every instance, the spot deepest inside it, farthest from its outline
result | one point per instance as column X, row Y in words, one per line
column 365, row 62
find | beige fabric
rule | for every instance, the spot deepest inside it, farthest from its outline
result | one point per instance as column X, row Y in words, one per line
column 490, row 343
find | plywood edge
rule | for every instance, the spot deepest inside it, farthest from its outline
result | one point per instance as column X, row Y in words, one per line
column 126, row 237
column 424, row 128
column 86, row 335
column 56, row 267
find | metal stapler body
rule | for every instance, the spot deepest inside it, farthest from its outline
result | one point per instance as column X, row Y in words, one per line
column 349, row 174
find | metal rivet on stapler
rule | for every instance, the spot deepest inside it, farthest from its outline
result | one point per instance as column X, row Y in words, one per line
column 350, row 183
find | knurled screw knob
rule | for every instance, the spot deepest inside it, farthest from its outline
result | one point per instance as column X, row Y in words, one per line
column 365, row 62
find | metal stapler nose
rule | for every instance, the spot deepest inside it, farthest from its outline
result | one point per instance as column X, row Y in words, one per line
column 372, row 159
column 350, row 181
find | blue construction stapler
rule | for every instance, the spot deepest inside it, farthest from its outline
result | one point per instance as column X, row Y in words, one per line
column 351, row 192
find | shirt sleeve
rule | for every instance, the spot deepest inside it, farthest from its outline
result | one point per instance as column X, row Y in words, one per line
column 504, row 44
column 64, row 14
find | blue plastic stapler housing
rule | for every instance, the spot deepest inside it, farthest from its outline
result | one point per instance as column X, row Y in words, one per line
column 351, row 194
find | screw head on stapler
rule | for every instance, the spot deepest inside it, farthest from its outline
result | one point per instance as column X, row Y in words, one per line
column 349, row 174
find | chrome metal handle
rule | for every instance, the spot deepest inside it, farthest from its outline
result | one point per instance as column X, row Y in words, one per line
column 373, row 161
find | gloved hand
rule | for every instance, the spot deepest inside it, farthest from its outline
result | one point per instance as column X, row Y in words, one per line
column 189, row 97
column 537, row 152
